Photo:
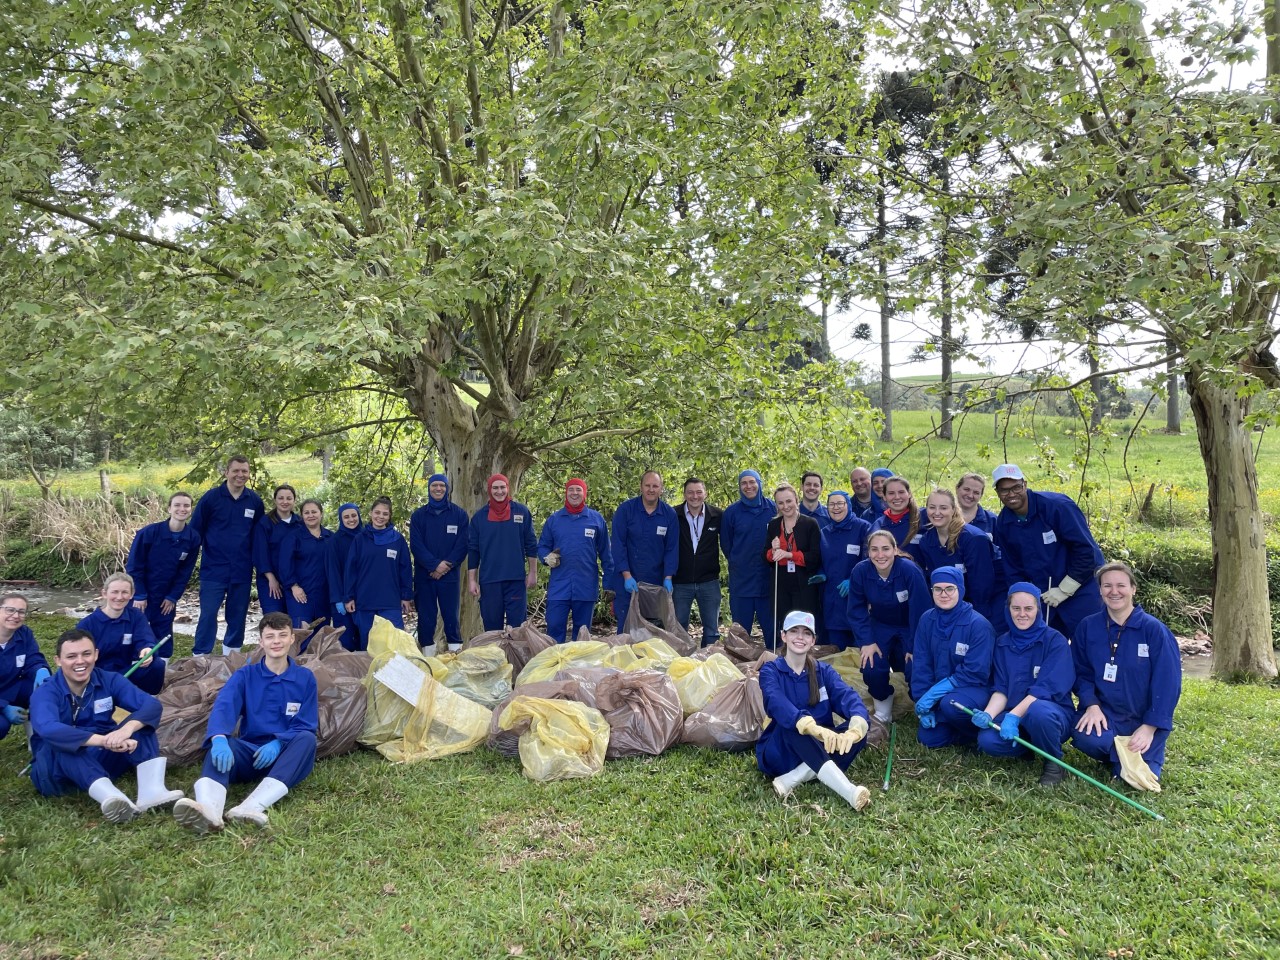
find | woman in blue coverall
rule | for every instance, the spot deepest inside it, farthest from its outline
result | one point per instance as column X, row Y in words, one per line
column 303, row 561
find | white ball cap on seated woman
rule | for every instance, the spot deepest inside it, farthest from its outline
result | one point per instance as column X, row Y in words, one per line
column 798, row 618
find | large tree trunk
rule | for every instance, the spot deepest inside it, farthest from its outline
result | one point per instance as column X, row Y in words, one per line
column 1242, row 644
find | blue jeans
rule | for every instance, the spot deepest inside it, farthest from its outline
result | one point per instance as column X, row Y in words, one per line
column 212, row 594
column 708, row 596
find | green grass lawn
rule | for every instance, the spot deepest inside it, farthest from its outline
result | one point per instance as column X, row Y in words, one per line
column 688, row 854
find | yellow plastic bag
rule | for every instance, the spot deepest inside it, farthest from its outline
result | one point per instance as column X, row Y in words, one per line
column 481, row 674
column 847, row 663
column 578, row 653
column 655, row 649
column 441, row 724
column 386, row 640
column 697, row 681
column 385, row 712
column 559, row 739
column 624, row 658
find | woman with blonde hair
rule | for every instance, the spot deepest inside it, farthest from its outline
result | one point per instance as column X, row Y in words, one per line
column 123, row 636
column 947, row 541
column 795, row 553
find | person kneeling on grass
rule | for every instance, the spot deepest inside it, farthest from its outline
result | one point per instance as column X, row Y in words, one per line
column 802, row 696
column 76, row 744
column 274, row 703
column 1034, row 673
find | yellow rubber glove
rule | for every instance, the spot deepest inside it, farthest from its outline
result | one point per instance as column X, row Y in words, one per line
column 845, row 741
column 1133, row 769
column 809, row 727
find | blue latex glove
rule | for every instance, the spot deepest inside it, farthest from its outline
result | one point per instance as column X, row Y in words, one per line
column 982, row 720
column 223, row 758
column 817, row 578
column 340, row 607
column 933, row 695
column 15, row 714
column 266, row 754
column 631, row 585
column 843, row 588
column 1009, row 726
column 927, row 720
column 666, row 584
column 41, row 676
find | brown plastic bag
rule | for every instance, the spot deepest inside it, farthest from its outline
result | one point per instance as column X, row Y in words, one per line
column 643, row 712
column 732, row 721
column 558, row 739
column 521, row 644
column 652, row 600
column 740, row 646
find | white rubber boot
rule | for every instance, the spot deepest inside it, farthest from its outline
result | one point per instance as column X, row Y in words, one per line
column 784, row 784
column 254, row 807
column 204, row 813
column 884, row 709
column 116, row 807
column 228, row 651
column 151, row 789
column 455, row 648
column 834, row 779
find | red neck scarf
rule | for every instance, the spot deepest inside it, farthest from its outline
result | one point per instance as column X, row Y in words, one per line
column 575, row 482
column 499, row 510
column 896, row 517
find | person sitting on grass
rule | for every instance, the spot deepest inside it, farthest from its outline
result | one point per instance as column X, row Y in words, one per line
column 1034, row 673
column 274, row 704
column 802, row 696
column 1128, row 679
column 22, row 665
column 123, row 635
column 76, row 743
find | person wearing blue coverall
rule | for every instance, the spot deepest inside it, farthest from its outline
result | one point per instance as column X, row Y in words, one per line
column 379, row 578
column 952, row 664
column 335, row 567
column 887, row 597
column 1044, row 539
column 303, row 568
column 844, row 538
column 502, row 557
column 947, row 541
column 744, row 535
column 575, row 546
column 698, row 573
column 161, row 560
column 1128, row 676
column 867, row 504
column 275, row 529
column 811, row 504
column 76, row 744
column 1030, row 687
column 901, row 516
column 23, row 667
column 646, row 544
column 969, row 491
column 802, row 696
column 438, row 541
column 262, row 729
column 123, row 637
column 225, row 520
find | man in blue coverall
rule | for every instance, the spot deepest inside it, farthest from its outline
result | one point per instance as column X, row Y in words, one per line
column 225, row 519
column 646, row 543
column 262, row 728
column 575, row 546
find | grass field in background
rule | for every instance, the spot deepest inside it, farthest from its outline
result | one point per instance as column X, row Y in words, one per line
column 686, row 855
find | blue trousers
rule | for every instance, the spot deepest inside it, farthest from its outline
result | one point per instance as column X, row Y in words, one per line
column 316, row 608
column 877, row 674
column 212, row 595
column 161, row 625
column 292, row 765
column 558, row 612
column 748, row 610
column 840, row 638
column 954, row 728
column 1046, row 725
column 707, row 594
column 784, row 750
column 269, row 603
column 430, row 595
column 363, row 621
column 150, row 679
column 55, row 772
column 1102, row 746
column 501, row 599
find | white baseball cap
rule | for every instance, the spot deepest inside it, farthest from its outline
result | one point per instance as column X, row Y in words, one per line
column 1006, row 471
column 798, row 618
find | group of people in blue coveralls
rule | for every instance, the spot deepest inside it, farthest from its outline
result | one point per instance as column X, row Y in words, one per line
column 989, row 678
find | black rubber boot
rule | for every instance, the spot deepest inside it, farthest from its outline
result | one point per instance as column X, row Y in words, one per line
column 1052, row 774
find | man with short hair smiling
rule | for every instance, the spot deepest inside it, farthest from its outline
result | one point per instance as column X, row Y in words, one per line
column 1046, row 541
column 262, row 727
column 867, row 505
column 811, row 504
column 646, row 543
column 76, row 743
column 225, row 519
column 698, row 575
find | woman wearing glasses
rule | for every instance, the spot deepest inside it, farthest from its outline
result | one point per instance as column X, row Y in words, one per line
column 953, row 649
column 22, row 665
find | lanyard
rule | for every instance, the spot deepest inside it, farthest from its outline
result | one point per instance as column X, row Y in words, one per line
column 695, row 527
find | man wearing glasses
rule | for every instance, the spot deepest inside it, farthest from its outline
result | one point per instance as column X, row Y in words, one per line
column 1045, row 539
column 22, row 665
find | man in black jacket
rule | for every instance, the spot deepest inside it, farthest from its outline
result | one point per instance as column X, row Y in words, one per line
column 698, row 576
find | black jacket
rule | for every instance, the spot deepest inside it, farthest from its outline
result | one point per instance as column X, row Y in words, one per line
column 705, row 564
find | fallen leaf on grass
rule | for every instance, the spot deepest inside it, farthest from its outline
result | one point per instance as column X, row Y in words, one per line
column 515, row 950
column 389, row 890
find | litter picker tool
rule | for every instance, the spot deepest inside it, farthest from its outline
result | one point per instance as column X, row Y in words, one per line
column 1070, row 769
column 888, row 767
